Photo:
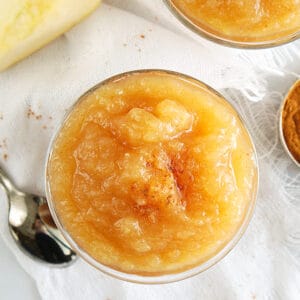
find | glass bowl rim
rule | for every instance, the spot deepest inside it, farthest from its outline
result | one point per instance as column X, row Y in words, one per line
column 188, row 23
column 155, row 279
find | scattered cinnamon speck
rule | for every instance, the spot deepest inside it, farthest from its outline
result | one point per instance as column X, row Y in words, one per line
column 150, row 29
column 3, row 147
column 3, row 144
column 142, row 36
column 35, row 116
column 125, row 45
column 1, row 116
column 30, row 113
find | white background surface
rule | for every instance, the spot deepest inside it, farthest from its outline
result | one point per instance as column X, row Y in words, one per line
column 14, row 282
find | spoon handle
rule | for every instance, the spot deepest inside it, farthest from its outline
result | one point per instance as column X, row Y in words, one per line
column 5, row 182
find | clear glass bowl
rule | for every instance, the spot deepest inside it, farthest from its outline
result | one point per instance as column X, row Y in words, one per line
column 133, row 277
column 210, row 35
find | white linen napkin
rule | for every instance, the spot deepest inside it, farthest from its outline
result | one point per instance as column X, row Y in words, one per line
column 157, row 12
column 35, row 94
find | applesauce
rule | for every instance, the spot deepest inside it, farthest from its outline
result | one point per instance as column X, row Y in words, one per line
column 152, row 173
column 243, row 21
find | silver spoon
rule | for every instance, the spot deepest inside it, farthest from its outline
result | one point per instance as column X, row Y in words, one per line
column 32, row 227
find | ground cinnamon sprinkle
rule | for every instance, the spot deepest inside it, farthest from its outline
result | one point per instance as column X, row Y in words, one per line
column 30, row 113
column 291, row 121
column 39, row 117
column 3, row 144
column 3, row 148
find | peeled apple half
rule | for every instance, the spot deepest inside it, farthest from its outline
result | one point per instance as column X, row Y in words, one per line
column 27, row 25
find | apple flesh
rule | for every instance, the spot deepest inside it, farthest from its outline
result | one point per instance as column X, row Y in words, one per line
column 28, row 25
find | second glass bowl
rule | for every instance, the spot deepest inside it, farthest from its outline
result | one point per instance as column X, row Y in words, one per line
column 215, row 36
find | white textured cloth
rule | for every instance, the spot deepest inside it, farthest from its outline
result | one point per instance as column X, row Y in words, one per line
column 35, row 94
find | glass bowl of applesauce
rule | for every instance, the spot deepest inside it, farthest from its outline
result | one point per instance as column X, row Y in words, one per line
column 152, row 176
column 242, row 24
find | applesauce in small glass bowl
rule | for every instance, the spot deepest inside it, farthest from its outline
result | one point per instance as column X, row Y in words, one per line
column 152, row 176
column 241, row 24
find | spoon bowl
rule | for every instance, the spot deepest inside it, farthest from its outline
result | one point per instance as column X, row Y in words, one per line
column 32, row 227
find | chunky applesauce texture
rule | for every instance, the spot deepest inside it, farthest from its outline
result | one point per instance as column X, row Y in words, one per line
column 244, row 20
column 152, row 173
